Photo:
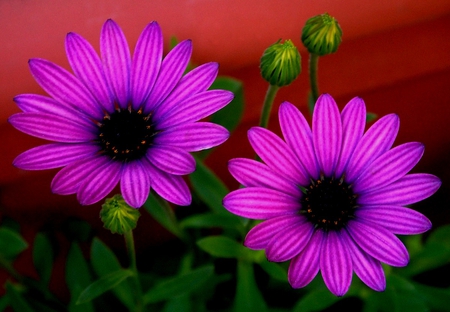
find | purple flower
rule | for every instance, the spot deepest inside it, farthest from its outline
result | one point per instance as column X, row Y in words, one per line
column 332, row 198
column 121, row 118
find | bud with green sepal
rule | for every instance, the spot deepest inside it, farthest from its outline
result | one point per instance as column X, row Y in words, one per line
column 322, row 35
column 117, row 216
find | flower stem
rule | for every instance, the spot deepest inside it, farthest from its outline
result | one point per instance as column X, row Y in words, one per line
column 129, row 243
column 313, row 67
column 267, row 106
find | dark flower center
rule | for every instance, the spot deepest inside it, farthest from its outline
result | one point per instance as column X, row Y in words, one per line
column 126, row 134
column 328, row 203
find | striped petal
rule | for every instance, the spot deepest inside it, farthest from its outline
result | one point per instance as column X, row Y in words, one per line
column 298, row 136
column 260, row 203
column 51, row 127
column 193, row 137
column 54, row 155
column 277, row 155
column 146, row 63
column 134, row 184
column 172, row 68
column 260, row 235
column 410, row 189
column 116, row 61
column 389, row 167
column 379, row 243
column 327, row 133
column 398, row 220
column 353, row 123
column 251, row 173
column 87, row 66
column 171, row 159
column 336, row 264
column 375, row 142
column 305, row 266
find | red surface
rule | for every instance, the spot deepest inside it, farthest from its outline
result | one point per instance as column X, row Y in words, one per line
column 395, row 55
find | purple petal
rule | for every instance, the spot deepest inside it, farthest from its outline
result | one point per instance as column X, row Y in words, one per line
column 172, row 68
column 389, row 167
column 99, row 183
column 336, row 264
column 195, row 108
column 87, row 66
column 64, row 87
column 327, row 133
column 170, row 187
column 147, row 59
column 134, row 184
column 51, row 127
column 368, row 269
column 193, row 137
column 251, row 173
column 171, row 159
column 68, row 179
column 398, row 220
column 34, row 103
column 410, row 189
column 116, row 61
column 379, row 243
column 260, row 203
column 197, row 80
column 260, row 235
column 353, row 123
column 298, row 136
column 277, row 155
column 375, row 142
column 305, row 266
column 289, row 242
column 53, row 155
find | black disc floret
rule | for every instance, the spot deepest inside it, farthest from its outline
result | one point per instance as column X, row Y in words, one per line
column 126, row 134
column 328, row 203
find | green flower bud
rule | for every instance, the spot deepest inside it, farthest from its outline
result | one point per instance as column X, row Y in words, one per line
column 280, row 63
column 117, row 216
column 322, row 34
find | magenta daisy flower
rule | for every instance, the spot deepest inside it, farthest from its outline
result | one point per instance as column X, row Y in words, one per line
column 332, row 198
column 119, row 118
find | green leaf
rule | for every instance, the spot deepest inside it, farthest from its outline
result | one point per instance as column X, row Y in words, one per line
column 435, row 298
column 103, row 284
column 180, row 285
column 43, row 257
column 161, row 211
column 371, row 117
column 4, row 302
column 11, row 243
column 224, row 247
column 104, row 262
column 230, row 115
column 16, row 300
column 274, row 270
column 405, row 295
column 248, row 297
column 209, row 187
column 209, row 220
column 77, row 278
column 316, row 300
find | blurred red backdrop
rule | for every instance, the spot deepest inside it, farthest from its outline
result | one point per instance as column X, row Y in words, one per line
column 395, row 55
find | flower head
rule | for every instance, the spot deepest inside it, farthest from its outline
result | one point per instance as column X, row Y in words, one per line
column 122, row 118
column 322, row 34
column 333, row 197
column 280, row 63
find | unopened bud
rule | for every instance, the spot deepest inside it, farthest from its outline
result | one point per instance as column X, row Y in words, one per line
column 322, row 34
column 118, row 216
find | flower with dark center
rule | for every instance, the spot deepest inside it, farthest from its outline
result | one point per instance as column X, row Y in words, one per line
column 332, row 198
column 121, row 118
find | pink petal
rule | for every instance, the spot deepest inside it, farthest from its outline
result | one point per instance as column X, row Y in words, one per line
column 336, row 264
column 134, row 184
column 116, row 61
column 298, row 136
column 260, row 203
column 327, row 133
column 171, row 159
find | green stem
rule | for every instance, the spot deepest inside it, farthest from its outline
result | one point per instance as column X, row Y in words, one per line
column 313, row 67
column 267, row 106
column 129, row 243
